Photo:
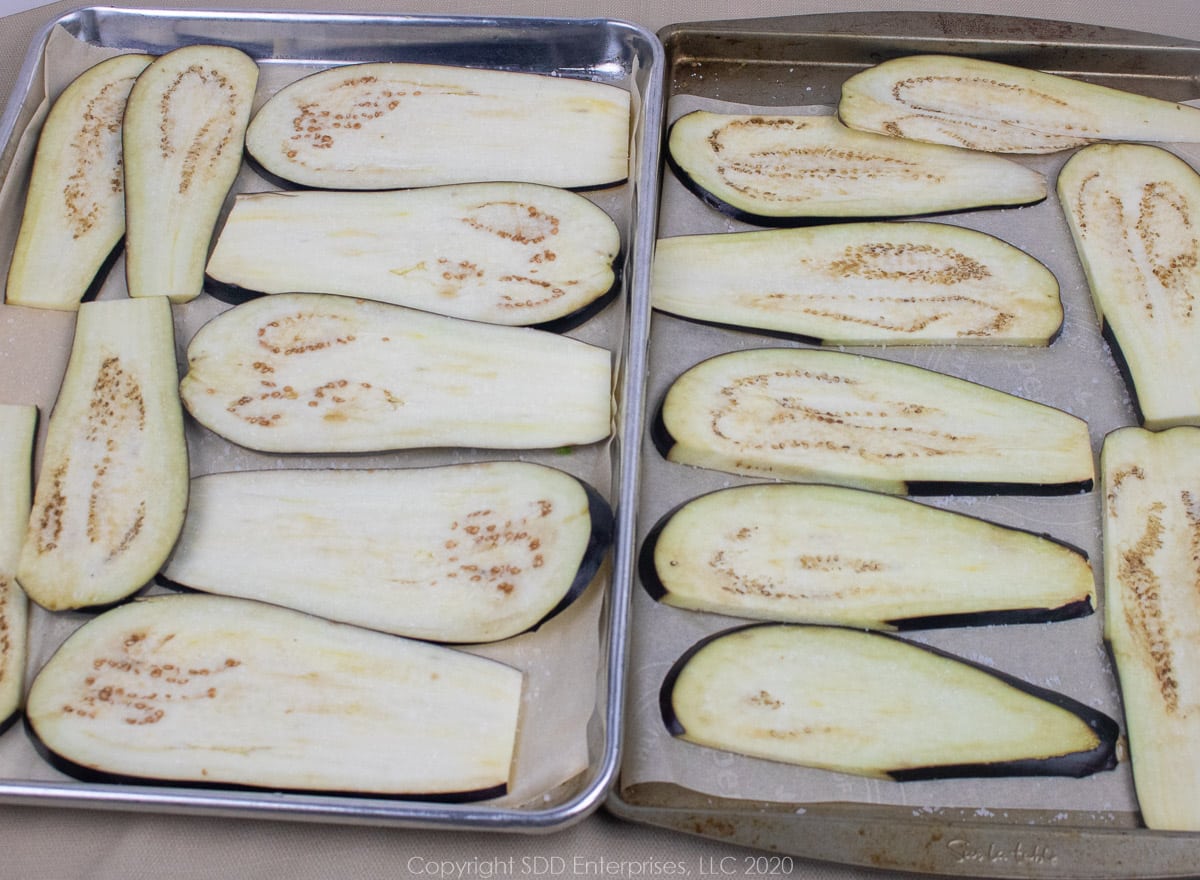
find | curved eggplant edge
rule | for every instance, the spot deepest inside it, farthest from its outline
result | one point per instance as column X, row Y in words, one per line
column 654, row 586
column 1122, row 364
column 663, row 442
column 806, row 339
column 600, row 540
column 88, row 774
column 666, row 691
column 792, row 221
column 276, row 180
column 236, row 295
column 1075, row 764
column 647, row 569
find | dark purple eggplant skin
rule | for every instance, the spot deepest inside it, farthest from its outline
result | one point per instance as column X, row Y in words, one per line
column 11, row 720
column 603, row 530
column 235, row 295
column 785, row 222
column 1102, row 757
column 600, row 541
column 654, row 587
column 93, row 775
column 102, row 273
column 1118, row 356
column 274, row 181
column 646, row 569
column 663, row 441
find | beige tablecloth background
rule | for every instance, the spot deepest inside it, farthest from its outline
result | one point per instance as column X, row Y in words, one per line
column 51, row 843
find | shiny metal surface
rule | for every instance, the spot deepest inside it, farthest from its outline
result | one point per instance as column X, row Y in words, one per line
column 606, row 50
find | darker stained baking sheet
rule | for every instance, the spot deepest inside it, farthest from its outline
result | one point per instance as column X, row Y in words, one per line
column 978, row 829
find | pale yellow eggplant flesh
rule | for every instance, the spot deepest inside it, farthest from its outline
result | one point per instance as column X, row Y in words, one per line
column 112, row 485
column 196, row 690
column 392, row 125
column 823, row 416
column 18, row 427
column 872, row 704
column 1001, row 108
column 1132, row 210
column 505, row 253
column 466, row 553
column 1150, row 521
column 832, row 555
column 74, row 215
column 897, row 283
column 774, row 170
column 323, row 373
column 183, row 137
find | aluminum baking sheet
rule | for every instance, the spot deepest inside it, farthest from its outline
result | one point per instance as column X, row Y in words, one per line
column 1028, row 827
column 572, row 715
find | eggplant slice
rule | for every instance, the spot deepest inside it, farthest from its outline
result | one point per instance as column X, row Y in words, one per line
column 184, row 129
column 18, row 426
column 1133, row 211
column 825, row 416
column 1000, row 108
column 113, row 482
column 861, row 284
column 74, row 214
column 461, row 553
column 826, row 554
column 216, row 691
column 788, row 170
column 1152, row 618
column 321, row 373
column 874, row 705
column 505, row 253
column 392, row 125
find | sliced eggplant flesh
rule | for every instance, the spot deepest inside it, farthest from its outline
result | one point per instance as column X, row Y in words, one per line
column 215, row 691
column 827, row 554
column 18, row 425
column 460, row 553
column 1133, row 211
column 392, row 125
column 505, row 253
column 861, row 284
column 787, row 170
column 323, row 373
column 810, row 415
column 875, row 705
column 1002, row 108
column 184, row 130
column 1152, row 616
column 113, row 481
column 74, row 215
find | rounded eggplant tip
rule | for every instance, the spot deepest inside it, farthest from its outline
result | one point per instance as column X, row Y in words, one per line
column 660, row 435
column 666, row 704
column 647, row 566
column 600, row 541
